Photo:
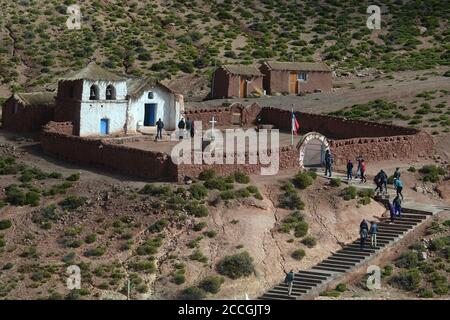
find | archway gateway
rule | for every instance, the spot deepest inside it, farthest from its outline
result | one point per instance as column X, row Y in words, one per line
column 312, row 149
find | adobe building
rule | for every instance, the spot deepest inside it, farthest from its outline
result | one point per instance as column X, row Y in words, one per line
column 236, row 81
column 28, row 112
column 99, row 102
column 296, row 77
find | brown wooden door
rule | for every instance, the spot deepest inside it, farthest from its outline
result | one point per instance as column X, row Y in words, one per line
column 293, row 84
column 242, row 88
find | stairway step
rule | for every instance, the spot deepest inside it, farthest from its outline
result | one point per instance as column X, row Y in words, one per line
column 294, row 292
column 339, row 262
column 340, row 258
column 296, row 286
column 331, row 265
column 366, row 249
column 307, row 282
column 309, row 277
column 414, row 216
column 367, row 246
column 330, row 269
column 415, row 211
column 355, row 251
column 320, row 274
column 277, row 296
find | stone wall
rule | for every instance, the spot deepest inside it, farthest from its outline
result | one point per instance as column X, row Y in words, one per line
column 56, row 140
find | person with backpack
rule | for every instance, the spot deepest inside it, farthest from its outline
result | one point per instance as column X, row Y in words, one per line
column 378, row 183
column 349, row 170
column 159, row 128
column 397, row 203
column 398, row 184
column 289, row 280
column 363, row 231
column 384, row 180
column 397, row 173
column 328, row 162
column 373, row 233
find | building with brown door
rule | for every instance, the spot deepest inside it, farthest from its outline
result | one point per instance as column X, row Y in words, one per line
column 28, row 112
column 296, row 77
column 236, row 81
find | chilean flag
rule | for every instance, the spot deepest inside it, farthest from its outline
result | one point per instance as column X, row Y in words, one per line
column 295, row 124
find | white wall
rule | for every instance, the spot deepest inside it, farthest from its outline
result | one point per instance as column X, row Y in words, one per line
column 92, row 111
column 165, row 109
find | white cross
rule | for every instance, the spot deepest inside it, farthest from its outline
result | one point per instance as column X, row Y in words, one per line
column 213, row 121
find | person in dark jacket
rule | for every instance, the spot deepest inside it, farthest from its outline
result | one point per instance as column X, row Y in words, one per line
column 384, row 179
column 378, row 183
column 289, row 280
column 398, row 184
column 363, row 232
column 188, row 124
column 349, row 170
column 373, row 233
column 397, row 203
column 392, row 212
column 181, row 126
column 358, row 168
column 328, row 162
column 397, row 173
column 159, row 128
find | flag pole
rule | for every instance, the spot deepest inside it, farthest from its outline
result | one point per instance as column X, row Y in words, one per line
column 292, row 126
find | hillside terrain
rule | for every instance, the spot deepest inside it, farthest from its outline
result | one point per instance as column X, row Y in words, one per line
column 174, row 40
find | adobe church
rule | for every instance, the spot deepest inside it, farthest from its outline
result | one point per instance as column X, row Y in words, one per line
column 99, row 102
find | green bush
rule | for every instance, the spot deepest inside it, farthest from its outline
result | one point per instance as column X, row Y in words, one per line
column 412, row 169
column 243, row 193
column 218, row 183
column 253, row 189
column 199, row 226
column 196, row 210
column 206, row 175
column 95, row 252
column 198, row 191
column 364, row 201
column 178, row 278
column 236, row 266
column 197, row 255
column 193, row 293
column 298, row 254
column 150, row 246
column 290, row 200
column 91, row 238
column 302, row 180
column 387, row 271
column 73, row 177
column 349, row 193
column 32, row 198
column 72, row 202
column 408, row 280
column 227, row 195
column 440, row 283
column 335, row 182
column 439, row 243
column 5, row 224
column 432, row 173
column 211, row 284
column 147, row 266
column 210, row 233
column 408, row 259
column 341, row 287
column 309, row 241
column 156, row 190
column 370, row 193
column 425, row 293
column 158, row 226
column 240, row 177
column 14, row 195
column 301, row 229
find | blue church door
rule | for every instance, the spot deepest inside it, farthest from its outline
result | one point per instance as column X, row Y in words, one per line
column 150, row 114
column 104, row 126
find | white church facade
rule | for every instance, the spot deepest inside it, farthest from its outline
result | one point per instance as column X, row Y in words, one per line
column 99, row 102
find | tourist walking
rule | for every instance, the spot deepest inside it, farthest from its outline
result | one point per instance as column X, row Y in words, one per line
column 289, row 280
column 363, row 171
column 378, row 183
column 397, row 173
column 181, row 127
column 398, row 184
column 397, row 203
column 358, row 168
column 384, row 179
column 328, row 162
column 159, row 129
column 373, row 233
column 349, row 170
column 392, row 212
column 363, row 231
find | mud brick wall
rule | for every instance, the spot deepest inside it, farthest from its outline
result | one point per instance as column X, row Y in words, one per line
column 56, row 140
column 224, row 115
column 27, row 118
column 406, row 147
column 332, row 127
column 288, row 157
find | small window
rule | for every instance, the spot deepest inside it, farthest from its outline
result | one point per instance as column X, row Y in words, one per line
column 16, row 107
column 150, row 95
column 94, row 94
column 302, row 76
column 110, row 93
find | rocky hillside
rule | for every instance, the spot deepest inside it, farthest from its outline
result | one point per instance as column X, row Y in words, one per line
column 170, row 39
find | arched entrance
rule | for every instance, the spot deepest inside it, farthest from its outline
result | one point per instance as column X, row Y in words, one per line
column 312, row 149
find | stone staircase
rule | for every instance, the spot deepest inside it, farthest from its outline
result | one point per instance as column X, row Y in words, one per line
column 313, row 281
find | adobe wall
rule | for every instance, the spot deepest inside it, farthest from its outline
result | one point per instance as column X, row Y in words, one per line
column 351, row 138
column 252, row 86
column 316, row 80
column 224, row 115
column 56, row 140
column 220, row 84
column 27, row 118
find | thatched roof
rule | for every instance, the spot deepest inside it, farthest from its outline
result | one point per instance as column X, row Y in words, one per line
column 298, row 66
column 241, row 69
column 92, row 72
column 136, row 86
column 36, row 99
